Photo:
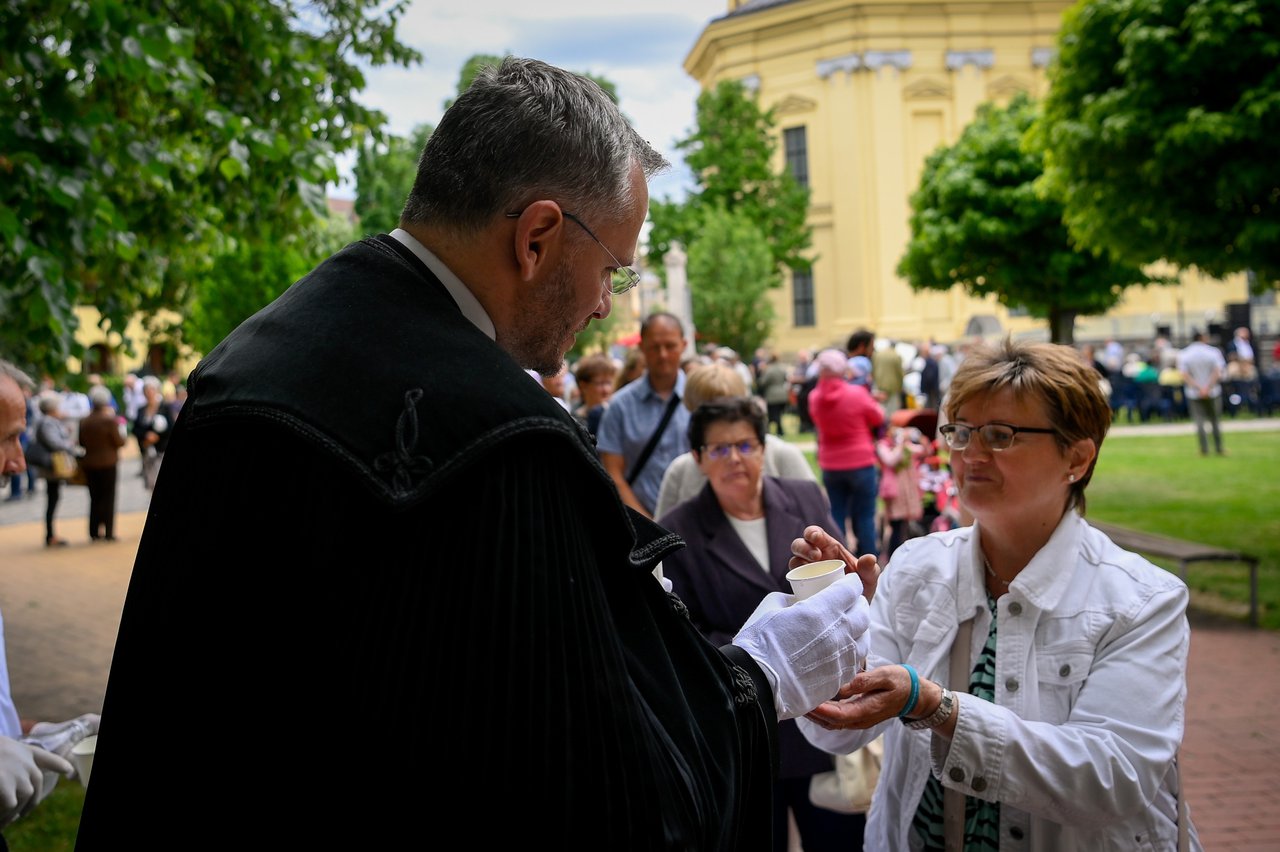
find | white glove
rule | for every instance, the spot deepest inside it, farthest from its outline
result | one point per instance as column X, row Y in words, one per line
column 22, row 781
column 59, row 737
column 808, row 649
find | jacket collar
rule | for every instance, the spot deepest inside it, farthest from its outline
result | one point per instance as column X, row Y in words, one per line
column 1045, row 579
column 726, row 547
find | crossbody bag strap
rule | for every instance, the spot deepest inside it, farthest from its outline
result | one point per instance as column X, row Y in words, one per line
column 952, row 799
column 654, row 438
column 1184, row 819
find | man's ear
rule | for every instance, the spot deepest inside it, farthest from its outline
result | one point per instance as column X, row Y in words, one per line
column 536, row 241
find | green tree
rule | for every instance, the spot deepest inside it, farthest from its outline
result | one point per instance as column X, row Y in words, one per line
column 979, row 222
column 737, row 196
column 138, row 141
column 1162, row 127
column 384, row 172
column 734, row 270
column 251, row 273
column 730, row 153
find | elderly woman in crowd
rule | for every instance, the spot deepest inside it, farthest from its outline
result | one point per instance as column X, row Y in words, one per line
column 51, row 436
column 684, row 477
column 151, row 429
column 102, row 439
column 1060, row 726
column 739, row 529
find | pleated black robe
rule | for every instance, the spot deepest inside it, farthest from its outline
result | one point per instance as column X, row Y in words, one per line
column 386, row 595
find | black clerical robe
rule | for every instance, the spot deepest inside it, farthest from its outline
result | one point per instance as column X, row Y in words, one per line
column 387, row 595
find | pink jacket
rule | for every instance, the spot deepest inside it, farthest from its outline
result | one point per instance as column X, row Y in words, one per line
column 846, row 418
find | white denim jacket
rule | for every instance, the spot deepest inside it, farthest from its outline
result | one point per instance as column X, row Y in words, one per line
column 1091, row 661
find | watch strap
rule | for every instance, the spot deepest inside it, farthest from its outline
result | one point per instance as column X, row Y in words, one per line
column 938, row 716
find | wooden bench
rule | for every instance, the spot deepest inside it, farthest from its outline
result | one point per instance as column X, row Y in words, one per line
column 1185, row 552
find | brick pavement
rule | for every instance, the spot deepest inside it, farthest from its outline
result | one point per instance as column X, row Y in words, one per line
column 61, row 608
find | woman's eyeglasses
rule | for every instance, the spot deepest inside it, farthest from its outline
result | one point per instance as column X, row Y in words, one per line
column 997, row 436
column 720, row 452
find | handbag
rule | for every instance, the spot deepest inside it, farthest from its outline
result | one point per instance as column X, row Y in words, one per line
column 849, row 787
column 61, row 465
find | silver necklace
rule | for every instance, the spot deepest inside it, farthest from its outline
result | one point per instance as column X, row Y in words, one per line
column 987, row 565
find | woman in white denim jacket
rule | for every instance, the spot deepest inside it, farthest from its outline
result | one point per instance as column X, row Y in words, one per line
column 1069, row 743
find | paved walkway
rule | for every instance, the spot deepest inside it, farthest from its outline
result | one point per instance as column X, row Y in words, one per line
column 61, row 609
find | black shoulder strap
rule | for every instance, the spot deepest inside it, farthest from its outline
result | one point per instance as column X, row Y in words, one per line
column 654, row 438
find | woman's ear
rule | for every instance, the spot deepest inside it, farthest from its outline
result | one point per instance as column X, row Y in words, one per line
column 1080, row 455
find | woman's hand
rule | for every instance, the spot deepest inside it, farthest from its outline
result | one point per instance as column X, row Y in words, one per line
column 817, row 544
column 870, row 698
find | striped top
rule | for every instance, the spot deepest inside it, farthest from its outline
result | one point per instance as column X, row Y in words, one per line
column 981, row 818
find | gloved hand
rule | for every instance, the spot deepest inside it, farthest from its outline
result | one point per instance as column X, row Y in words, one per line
column 59, row 737
column 22, row 782
column 808, row 649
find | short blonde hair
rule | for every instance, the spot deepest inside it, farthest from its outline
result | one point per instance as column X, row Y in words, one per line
column 1055, row 375
column 712, row 381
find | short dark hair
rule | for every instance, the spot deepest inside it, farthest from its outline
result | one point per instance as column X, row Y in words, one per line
column 667, row 316
column 724, row 409
column 860, row 339
column 524, row 131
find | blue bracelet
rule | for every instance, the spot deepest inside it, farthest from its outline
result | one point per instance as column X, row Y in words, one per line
column 915, row 691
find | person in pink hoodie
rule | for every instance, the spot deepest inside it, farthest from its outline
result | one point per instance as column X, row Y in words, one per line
column 846, row 418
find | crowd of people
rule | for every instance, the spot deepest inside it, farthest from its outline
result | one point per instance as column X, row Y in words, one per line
column 608, row 544
column 74, row 439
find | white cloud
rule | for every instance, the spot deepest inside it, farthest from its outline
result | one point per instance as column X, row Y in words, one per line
column 640, row 48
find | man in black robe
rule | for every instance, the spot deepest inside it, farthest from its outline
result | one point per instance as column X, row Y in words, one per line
column 430, row 614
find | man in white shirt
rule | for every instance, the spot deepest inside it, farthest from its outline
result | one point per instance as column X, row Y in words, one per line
column 1202, row 367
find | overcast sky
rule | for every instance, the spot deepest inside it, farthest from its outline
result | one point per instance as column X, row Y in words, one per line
column 639, row 46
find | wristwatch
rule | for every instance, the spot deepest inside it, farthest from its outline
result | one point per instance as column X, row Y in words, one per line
column 937, row 717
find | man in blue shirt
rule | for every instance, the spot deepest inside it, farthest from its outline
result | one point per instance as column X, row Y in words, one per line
column 636, row 411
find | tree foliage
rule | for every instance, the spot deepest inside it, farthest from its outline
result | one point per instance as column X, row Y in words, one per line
column 384, row 172
column 979, row 222
column 251, row 273
column 1163, row 131
column 730, row 153
column 737, row 198
column 139, row 141
column 734, row 270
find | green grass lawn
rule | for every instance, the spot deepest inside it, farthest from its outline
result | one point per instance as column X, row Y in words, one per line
column 52, row 826
column 1163, row 485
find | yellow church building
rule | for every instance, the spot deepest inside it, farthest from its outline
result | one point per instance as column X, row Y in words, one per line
column 863, row 91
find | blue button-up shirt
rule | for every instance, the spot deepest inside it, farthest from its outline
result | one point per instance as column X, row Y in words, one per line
column 632, row 416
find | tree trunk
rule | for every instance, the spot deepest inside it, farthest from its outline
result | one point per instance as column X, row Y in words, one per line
column 1062, row 326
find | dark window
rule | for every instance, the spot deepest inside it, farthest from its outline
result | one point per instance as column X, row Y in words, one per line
column 797, row 150
column 802, row 298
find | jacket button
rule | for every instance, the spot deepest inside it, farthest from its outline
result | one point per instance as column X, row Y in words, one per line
column 1015, row 608
column 1065, row 670
column 957, row 774
column 979, row 784
column 1015, row 833
column 1011, row 684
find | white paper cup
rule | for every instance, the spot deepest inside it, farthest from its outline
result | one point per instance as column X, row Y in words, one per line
column 82, row 757
column 807, row 580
